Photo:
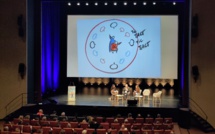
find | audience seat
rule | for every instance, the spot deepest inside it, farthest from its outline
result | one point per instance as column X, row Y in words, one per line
column 78, row 130
column 74, row 124
column 139, row 120
column 101, row 131
column 56, row 130
column 68, row 130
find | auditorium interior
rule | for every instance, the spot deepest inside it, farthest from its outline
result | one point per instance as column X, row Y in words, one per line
column 159, row 57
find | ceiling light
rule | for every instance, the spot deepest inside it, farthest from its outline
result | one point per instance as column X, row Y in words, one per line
column 125, row 3
column 69, row 4
column 114, row 3
column 144, row 3
column 174, row 3
column 96, row 4
column 105, row 3
column 135, row 3
column 78, row 4
column 87, row 4
column 154, row 3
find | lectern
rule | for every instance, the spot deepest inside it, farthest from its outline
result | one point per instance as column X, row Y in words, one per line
column 71, row 93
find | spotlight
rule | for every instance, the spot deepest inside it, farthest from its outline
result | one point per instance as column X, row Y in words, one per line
column 154, row 3
column 135, row 3
column 78, row 4
column 144, row 3
column 87, row 4
column 114, row 3
column 96, row 4
column 174, row 3
column 105, row 3
column 125, row 3
column 69, row 4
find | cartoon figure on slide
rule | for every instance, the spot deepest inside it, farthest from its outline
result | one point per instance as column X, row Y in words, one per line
column 113, row 45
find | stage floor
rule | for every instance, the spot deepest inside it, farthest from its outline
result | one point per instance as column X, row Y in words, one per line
column 105, row 100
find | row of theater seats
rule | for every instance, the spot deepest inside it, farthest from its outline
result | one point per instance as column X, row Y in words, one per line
column 137, row 126
column 120, row 120
column 58, row 130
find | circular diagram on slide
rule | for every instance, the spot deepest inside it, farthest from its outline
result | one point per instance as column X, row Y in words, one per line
column 110, row 46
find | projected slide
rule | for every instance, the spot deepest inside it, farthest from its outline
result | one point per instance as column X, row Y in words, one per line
column 116, row 47
column 122, row 47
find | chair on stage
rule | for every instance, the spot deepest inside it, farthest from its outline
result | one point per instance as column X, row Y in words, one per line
column 157, row 96
column 146, row 93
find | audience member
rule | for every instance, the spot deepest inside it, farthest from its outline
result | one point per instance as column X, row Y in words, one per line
column 40, row 113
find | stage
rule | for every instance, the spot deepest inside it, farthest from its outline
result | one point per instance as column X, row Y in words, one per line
column 105, row 100
column 98, row 102
column 91, row 96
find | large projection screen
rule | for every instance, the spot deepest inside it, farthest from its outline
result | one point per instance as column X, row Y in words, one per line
column 123, row 46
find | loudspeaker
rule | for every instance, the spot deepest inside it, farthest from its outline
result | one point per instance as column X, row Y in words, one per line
column 195, row 25
column 21, row 70
column 195, row 72
column 132, row 102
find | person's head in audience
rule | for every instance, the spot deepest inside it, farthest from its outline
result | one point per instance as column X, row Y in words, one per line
column 17, row 129
column 158, row 116
column 84, row 131
column 63, row 114
column 100, row 127
column 129, row 115
column 123, row 127
column 139, row 115
column 148, row 116
column 40, row 112
column 115, row 120
column 118, row 115
column 54, row 113
column 84, row 121
column 6, row 128
column 126, row 120
column 27, row 117
column 62, row 131
column 135, row 127
column 21, row 117
column 44, row 118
